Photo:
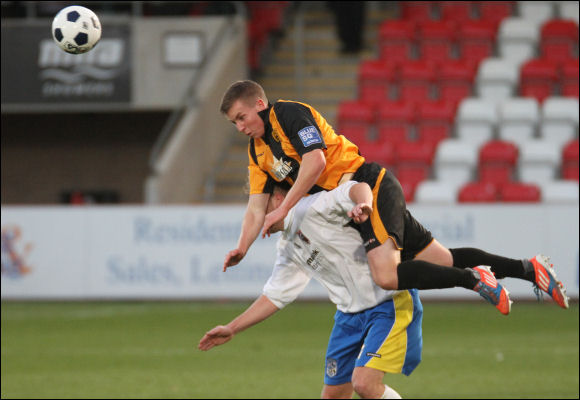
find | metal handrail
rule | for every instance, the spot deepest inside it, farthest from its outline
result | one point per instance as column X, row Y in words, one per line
column 191, row 97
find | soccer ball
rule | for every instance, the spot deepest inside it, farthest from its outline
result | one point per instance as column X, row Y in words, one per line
column 76, row 29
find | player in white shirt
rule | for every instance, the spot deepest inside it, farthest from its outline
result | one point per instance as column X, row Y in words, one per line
column 376, row 331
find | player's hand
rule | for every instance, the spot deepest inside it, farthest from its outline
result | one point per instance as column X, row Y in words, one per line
column 360, row 213
column 215, row 337
column 271, row 218
column 233, row 258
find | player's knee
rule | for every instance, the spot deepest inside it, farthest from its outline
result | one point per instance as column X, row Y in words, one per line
column 363, row 386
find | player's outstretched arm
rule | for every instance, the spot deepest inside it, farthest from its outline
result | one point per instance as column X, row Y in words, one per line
column 251, row 225
column 261, row 309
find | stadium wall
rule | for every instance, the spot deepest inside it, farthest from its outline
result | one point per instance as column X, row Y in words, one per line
column 176, row 252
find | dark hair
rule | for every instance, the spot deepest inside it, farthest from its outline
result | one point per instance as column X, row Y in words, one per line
column 244, row 90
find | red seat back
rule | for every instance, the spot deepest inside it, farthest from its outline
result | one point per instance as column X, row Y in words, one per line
column 498, row 152
column 515, row 192
column 416, row 79
column 395, row 120
column 558, row 38
column 397, row 40
column 435, row 40
column 495, row 10
column 476, row 39
column 435, row 120
column 374, row 78
column 478, row 192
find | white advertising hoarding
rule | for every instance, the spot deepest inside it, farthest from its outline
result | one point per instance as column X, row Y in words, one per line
column 177, row 252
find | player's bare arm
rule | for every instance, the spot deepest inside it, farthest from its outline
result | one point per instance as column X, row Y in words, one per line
column 251, row 225
column 362, row 195
column 261, row 309
column 313, row 163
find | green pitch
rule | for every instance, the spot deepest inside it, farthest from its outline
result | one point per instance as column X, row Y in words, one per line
column 149, row 350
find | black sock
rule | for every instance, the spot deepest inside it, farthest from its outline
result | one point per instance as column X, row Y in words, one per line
column 502, row 267
column 418, row 274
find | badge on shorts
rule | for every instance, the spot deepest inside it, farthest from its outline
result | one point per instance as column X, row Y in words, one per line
column 331, row 367
column 309, row 136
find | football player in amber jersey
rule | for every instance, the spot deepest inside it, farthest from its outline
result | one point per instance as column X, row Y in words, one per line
column 291, row 142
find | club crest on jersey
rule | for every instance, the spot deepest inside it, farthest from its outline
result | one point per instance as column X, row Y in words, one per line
column 280, row 168
column 309, row 136
column 275, row 135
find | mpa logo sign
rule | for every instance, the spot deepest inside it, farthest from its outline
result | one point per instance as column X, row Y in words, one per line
column 89, row 74
column 14, row 253
column 36, row 71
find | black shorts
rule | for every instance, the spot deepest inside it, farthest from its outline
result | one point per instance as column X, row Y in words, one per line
column 390, row 217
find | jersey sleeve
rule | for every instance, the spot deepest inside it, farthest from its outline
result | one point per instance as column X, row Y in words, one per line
column 286, row 283
column 259, row 181
column 300, row 127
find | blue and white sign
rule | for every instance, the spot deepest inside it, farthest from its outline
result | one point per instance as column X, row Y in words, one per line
column 177, row 252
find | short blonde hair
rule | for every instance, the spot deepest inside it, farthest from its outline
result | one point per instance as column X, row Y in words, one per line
column 242, row 90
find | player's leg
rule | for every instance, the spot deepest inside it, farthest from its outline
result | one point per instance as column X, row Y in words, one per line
column 537, row 270
column 344, row 391
column 368, row 382
column 343, row 348
column 387, row 230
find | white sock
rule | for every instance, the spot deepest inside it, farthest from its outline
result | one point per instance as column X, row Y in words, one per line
column 390, row 393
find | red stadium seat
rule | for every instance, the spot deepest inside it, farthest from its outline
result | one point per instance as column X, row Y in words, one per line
column 538, row 78
column 397, row 40
column 498, row 152
column 570, row 160
column 497, row 161
column 355, row 114
column 417, row 153
column 558, row 39
column 395, row 120
column 495, row 10
column 416, row 79
column 414, row 160
column 416, row 10
column 478, row 192
column 569, row 81
column 496, row 174
column 356, row 134
column 455, row 80
column 435, row 40
column 517, row 192
column 456, row 10
column 374, row 79
column 435, row 120
column 476, row 39
column 410, row 176
column 382, row 152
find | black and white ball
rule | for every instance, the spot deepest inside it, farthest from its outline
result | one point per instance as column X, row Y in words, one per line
column 76, row 29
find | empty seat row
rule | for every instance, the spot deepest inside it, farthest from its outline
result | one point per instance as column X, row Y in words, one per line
column 396, row 120
column 520, row 39
column 517, row 119
column 541, row 78
column 440, row 192
column 455, row 10
column 404, row 40
column 380, row 80
column 499, row 162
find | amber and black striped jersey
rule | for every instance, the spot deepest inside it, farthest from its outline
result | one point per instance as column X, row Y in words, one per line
column 292, row 129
